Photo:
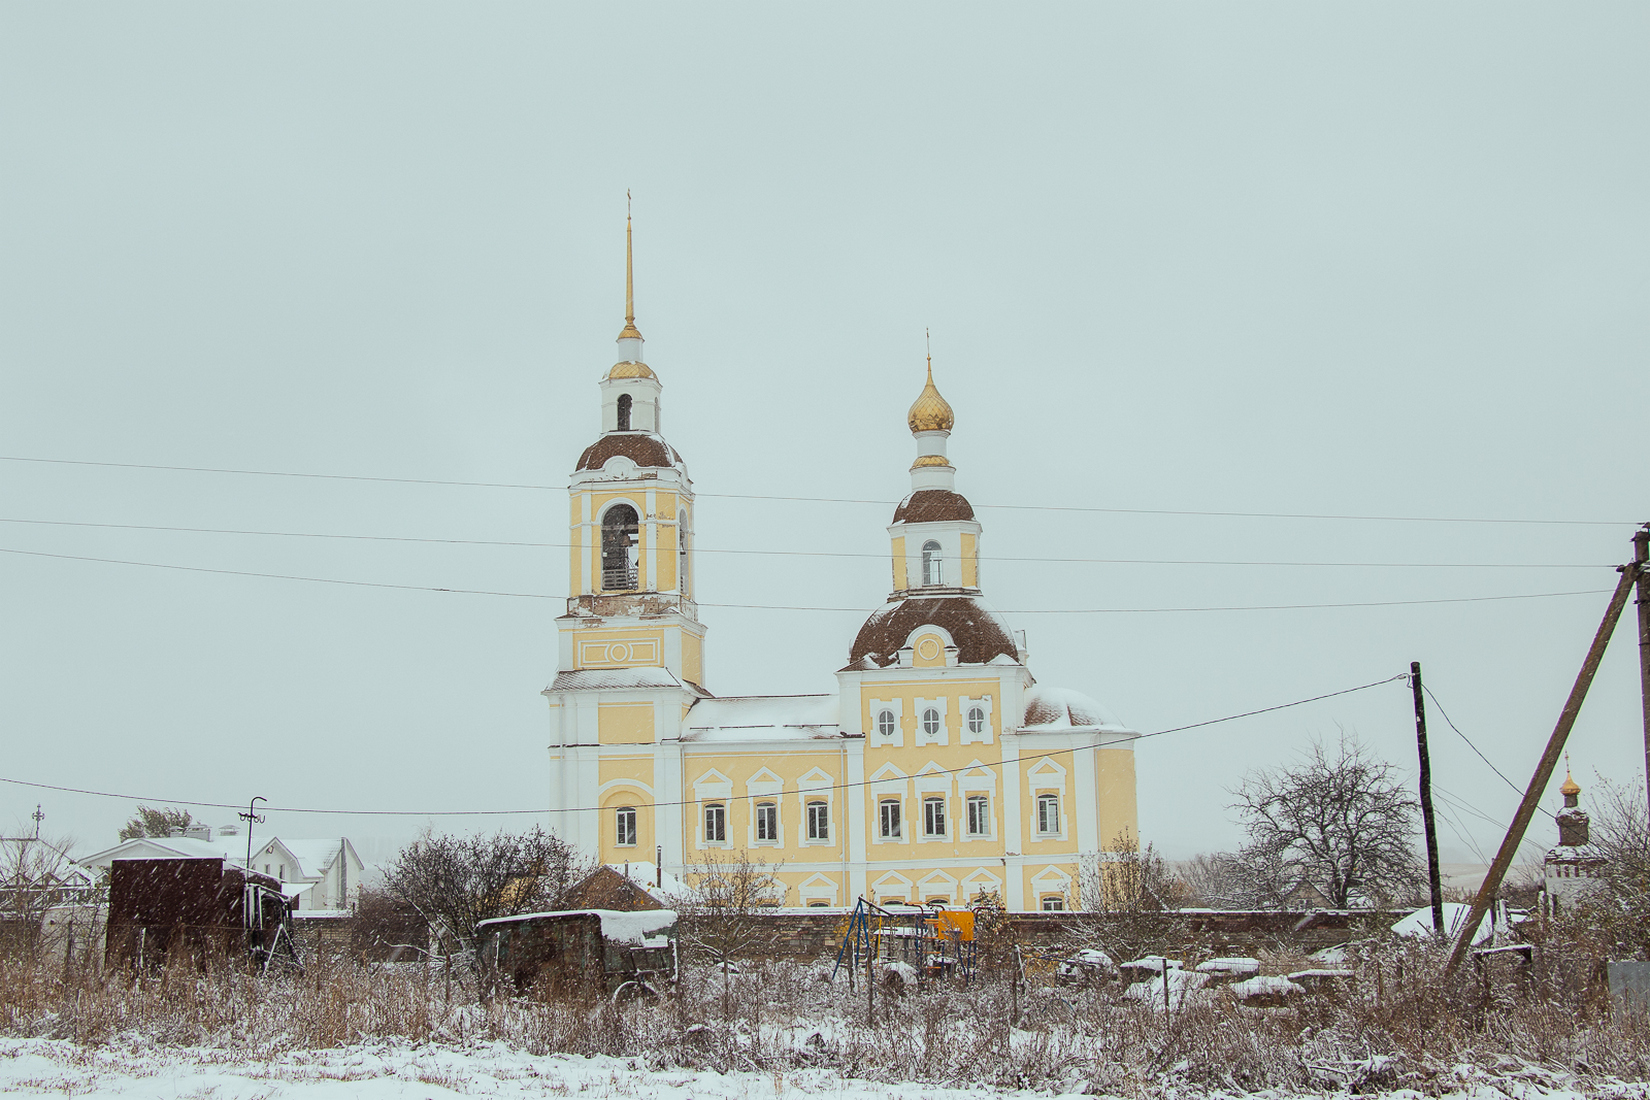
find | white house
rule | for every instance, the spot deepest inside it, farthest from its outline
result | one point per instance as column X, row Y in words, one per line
column 316, row 874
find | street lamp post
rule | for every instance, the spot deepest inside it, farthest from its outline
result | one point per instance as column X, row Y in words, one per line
column 251, row 818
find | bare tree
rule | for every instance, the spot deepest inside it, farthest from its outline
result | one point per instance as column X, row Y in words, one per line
column 1619, row 833
column 1132, row 886
column 1253, row 878
column 723, row 912
column 36, row 876
column 1340, row 822
column 456, row 882
column 152, row 822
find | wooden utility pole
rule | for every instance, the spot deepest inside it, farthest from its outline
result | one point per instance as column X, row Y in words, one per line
column 1543, row 770
column 1434, row 879
column 1641, row 559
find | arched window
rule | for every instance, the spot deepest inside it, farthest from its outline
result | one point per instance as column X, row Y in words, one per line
column 933, row 571
column 888, row 812
column 976, row 720
column 716, row 823
column 619, row 548
column 1048, row 814
column 767, row 822
column 625, row 822
column 886, row 724
column 624, row 412
column 930, row 722
column 933, row 815
column 819, row 820
column 683, row 534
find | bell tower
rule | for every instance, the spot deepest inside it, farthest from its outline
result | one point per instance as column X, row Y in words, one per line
column 934, row 539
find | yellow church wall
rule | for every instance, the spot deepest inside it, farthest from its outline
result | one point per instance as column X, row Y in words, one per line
column 693, row 658
column 910, row 691
column 970, row 561
column 667, row 559
column 1114, row 787
column 606, row 647
column 1037, row 778
column 740, row 769
column 631, row 778
column 624, row 723
column 899, row 564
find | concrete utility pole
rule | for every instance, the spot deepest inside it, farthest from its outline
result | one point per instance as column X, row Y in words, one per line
column 1641, row 559
column 1434, row 879
column 1543, row 770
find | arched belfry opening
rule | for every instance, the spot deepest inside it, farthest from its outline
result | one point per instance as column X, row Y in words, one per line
column 933, row 565
column 619, row 527
column 624, row 412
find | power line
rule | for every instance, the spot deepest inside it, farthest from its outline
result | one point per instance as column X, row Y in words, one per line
column 1026, row 758
column 799, row 607
column 793, row 553
column 1470, row 745
column 835, row 500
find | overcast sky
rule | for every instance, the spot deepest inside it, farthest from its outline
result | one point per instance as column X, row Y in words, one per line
column 1369, row 260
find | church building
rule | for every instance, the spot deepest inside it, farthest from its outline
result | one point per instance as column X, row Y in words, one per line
column 939, row 770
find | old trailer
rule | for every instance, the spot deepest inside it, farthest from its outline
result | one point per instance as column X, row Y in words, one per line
column 208, row 909
column 592, row 951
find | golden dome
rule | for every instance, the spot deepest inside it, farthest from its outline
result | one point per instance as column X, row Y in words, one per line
column 930, row 412
column 630, row 370
column 931, row 460
column 1570, row 785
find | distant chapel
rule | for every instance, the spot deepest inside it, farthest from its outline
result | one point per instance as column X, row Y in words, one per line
column 940, row 770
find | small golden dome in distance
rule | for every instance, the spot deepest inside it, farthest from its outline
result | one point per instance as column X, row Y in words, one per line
column 1570, row 785
column 630, row 370
column 930, row 412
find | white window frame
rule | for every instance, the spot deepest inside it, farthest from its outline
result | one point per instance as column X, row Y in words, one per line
column 982, row 818
column 933, row 804
column 620, row 814
column 704, row 824
column 935, row 576
column 1039, row 800
column 967, row 736
column 883, row 804
column 875, row 734
column 940, row 708
column 822, row 817
column 1053, row 903
column 769, row 808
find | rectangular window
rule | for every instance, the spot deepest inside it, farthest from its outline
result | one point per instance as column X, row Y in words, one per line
column 1048, row 814
column 716, row 823
column 1053, row 903
column 625, row 820
column 767, row 821
column 933, row 817
column 889, row 811
column 979, row 815
column 819, row 821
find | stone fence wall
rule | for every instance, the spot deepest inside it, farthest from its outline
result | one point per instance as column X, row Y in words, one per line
column 815, row 933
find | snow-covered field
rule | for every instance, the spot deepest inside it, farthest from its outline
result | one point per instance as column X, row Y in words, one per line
column 430, row 1072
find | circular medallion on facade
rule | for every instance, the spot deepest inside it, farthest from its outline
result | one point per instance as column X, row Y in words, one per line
column 618, row 654
column 928, row 648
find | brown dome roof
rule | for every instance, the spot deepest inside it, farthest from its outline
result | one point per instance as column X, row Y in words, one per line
column 979, row 632
column 932, row 506
column 647, row 451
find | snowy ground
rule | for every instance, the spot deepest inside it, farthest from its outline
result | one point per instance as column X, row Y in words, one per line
column 384, row 1071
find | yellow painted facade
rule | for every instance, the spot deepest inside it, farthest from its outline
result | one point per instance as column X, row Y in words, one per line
column 939, row 769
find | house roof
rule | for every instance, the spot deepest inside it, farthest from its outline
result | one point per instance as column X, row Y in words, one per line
column 310, row 858
column 762, row 718
column 599, row 679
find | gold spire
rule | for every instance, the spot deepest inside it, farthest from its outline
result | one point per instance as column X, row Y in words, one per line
column 930, row 412
column 1570, row 785
column 630, row 331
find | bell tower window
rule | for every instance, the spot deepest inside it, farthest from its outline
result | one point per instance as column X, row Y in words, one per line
column 933, row 569
column 624, row 412
column 619, row 548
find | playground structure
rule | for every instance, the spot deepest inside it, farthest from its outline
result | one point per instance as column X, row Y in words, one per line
column 933, row 941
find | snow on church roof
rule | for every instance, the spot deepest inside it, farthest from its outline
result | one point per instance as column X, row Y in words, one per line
column 1049, row 708
column 595, row 679
column 762, row 718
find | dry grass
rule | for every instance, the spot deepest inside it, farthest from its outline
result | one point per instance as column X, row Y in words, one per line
column 1397, row 1024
